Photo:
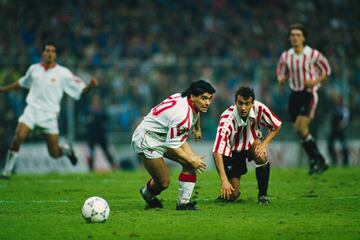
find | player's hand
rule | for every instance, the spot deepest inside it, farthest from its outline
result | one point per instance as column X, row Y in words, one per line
column 93, row 82
column 261, row 151
column 282, row 80
column 197, row 134
column 226, row 189
column 198, row 163
column 311, row 83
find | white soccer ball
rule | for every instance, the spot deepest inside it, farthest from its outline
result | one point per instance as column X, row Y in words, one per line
column 95, row 210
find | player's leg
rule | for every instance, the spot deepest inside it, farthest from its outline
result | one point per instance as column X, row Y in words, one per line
column 235, row 183
column 57, row 151
column 187, row 180
column 302, row 107
column 21, row 133
column 159, row 180
column 91, row 145
column 344, row 147
column 235, row 167
column 317, row 161
column 262, row 172
column 105, row 147
column 331, row 149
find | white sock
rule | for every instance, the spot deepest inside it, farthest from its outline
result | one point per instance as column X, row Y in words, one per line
column 146, row 193
column 10, row 163
column 186, row 187
column 66, row 149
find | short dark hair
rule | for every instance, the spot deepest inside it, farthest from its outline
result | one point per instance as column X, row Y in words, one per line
column 298, row 26
column 197, row 88
column 48, row 44
column 245, row 92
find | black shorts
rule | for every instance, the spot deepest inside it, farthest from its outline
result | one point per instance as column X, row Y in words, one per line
column 235, row 166
column 302, row 104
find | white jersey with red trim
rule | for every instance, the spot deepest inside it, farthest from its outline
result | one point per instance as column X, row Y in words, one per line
column 173, row 118
column 235, row 134
column 300, row 68
column 47, row 86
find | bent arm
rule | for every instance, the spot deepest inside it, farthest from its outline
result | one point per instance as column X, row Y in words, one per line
column 181, row 153
column 219, row 163
column 10, row 87
column 92, row 84
column 271, row 135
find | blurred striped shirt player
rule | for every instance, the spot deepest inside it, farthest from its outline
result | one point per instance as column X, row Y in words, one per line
column 300, row 68
column 235, row 135
column 306, row 69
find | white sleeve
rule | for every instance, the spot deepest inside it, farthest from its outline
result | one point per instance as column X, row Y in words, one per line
column 73, row 85
column 26, row 80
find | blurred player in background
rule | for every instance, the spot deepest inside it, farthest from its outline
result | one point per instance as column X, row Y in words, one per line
column 47, row 81
column 97, row 132
column 238, row 139
column 305, row 69
column 339, row 123
column 163, row 133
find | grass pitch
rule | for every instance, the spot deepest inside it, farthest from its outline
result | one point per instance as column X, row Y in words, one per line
column 302, row 207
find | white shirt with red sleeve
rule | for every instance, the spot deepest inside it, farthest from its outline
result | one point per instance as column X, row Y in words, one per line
column 235, row 134
column 171, row 120
column 300, row 68
column 47, row 86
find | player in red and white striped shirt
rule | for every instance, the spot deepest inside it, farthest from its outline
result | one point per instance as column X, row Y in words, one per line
column 163, row 133
column 237, row 132
column 305, row 69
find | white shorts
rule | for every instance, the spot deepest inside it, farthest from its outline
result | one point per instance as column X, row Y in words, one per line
column 37, row 119
column 151, row 144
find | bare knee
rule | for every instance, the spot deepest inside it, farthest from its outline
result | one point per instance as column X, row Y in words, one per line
column 260, row 160
column 301, row 128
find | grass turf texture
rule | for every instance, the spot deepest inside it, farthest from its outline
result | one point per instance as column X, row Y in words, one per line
column 302, row 207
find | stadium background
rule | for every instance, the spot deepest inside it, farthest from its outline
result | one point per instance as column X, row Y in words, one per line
column 143, row 51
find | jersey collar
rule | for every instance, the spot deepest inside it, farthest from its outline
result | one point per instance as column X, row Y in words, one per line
column 47, row 68
column 192, row 106
column 239, row 119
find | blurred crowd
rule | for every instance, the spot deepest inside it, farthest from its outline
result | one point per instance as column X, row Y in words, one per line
column 142, row 51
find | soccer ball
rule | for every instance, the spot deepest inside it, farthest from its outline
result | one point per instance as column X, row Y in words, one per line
column 95, row 210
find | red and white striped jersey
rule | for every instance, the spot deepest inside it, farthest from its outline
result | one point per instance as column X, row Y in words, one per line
column 233, row 134
column 299, row 68
column 172, row 118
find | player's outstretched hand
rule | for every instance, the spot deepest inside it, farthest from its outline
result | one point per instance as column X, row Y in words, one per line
column 93, row 82
column 198, row 163
column 226, row 189
column 281, row 80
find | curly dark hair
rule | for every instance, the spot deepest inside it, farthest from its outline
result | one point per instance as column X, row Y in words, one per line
column 197, row 88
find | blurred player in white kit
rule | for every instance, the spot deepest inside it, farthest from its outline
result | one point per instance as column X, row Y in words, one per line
column 47, row 81
column 163, row 133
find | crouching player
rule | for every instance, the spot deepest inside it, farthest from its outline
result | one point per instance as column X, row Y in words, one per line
column 163, row 133
column 238, row 139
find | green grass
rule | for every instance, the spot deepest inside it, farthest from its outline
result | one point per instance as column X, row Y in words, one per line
column 302, row 207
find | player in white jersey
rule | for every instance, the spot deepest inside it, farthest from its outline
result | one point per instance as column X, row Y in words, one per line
column 163, row 133
column 306, row 69
column 47, row 81
column 238, row 139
